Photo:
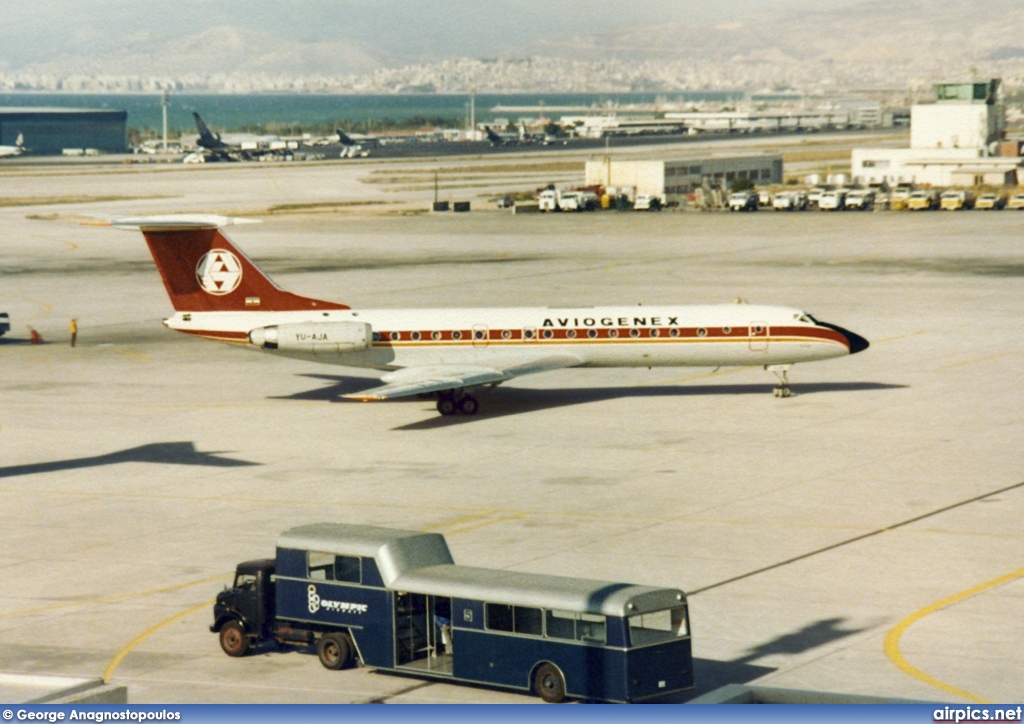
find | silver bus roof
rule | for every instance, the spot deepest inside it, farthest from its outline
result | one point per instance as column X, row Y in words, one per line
column 420, row 562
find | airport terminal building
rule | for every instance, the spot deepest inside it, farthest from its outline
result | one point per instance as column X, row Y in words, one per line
column 48, row 131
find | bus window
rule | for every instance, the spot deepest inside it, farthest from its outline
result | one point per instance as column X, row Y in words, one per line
column 320, row 565
column 498, row 617
column 527, row 620
column 348, row 569
column 649, row 628
column 586, row 627
column 591, row 628
column 561, row 624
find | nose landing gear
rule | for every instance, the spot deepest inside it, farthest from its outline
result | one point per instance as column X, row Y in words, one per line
column 781, row 389
column 448, row 403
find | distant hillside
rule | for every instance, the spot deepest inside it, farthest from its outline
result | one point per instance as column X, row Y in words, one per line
column 906, row 35
column 901, row 45
column 219, row 50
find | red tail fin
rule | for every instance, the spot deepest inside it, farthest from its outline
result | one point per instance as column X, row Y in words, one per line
column 204, row 272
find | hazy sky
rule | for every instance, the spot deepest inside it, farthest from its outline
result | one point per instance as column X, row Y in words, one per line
column 391, row 28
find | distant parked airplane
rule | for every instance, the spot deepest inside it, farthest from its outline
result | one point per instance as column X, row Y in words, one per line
column 236, row 146
column 218, row 293
column 16, row 150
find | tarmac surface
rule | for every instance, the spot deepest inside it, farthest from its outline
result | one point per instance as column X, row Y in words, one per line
column 862, row 537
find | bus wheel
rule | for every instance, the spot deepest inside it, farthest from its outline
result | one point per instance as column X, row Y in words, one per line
column 334, row 651
column 549, row 684
column 233, row 639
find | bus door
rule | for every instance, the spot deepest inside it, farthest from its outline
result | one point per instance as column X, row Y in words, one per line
column 418, row 632
column 758, row 337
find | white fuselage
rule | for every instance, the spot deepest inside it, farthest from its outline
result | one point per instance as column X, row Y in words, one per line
column 706, row 335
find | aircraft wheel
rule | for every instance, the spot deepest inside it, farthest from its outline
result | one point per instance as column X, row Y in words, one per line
column 334, row 651
column 468, row 405
column 446, row 405
column 549, row 684
column 233, row 640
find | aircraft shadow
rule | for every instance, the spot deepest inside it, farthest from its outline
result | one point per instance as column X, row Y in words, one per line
column 167, row 453
column 809, row 637
column 710, row 674
column 501, row 401
column 504, row 401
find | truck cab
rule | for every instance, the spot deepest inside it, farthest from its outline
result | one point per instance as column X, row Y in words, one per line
column 244, row 614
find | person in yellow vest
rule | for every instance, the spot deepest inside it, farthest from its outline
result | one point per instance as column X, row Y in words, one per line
column 74, row 330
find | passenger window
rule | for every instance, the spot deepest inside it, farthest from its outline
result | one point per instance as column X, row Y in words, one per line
column 348, row 569
column 527, row 620
column 561, row 624
column 498, row 617
column 591, row 628
column 320, row 565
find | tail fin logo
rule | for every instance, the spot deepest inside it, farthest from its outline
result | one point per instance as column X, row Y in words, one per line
column 219, row 272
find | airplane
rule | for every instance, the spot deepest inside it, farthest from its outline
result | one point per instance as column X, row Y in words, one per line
column 500, row 139
column 353, row 148
column 245, row 146
column 16, row 150
column 219, row 294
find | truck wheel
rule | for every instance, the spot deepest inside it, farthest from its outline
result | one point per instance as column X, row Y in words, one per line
column 549, row 684
column 334, row 651
column 233, row 639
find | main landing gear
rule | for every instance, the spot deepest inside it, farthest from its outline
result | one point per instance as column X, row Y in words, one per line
column 452, row 401
column 781, row 389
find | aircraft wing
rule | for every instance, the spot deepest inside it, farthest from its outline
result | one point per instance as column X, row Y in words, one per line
column 437, row 378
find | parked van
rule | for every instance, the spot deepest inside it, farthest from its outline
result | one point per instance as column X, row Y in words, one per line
column 832, row 200
column 956, row 200
column 922, row 200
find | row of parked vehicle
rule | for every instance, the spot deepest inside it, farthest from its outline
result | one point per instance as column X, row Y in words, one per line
column 900, row 198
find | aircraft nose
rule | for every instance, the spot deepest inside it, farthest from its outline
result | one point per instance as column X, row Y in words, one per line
column 853, row 340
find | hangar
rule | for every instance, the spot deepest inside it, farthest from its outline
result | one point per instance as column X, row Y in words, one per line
column 48, row 131
column 672, row 180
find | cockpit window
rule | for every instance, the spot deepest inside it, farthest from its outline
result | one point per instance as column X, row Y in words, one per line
column 805, row 317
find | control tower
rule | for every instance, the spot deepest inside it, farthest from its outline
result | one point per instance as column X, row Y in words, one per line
column 965, row 114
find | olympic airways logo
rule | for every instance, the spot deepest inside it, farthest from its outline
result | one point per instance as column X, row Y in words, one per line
column 316, row 603
column 219, row 272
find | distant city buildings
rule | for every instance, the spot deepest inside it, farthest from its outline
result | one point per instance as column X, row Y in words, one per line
column 904, row 83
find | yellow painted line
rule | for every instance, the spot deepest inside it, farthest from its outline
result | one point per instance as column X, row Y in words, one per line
column 899, row 336
column 500, row 519
column 458, row 521
column 109, row 599
column 47, row 309
column 978, row 359
column 109, row 671
column 134, row 355
column 892, row 639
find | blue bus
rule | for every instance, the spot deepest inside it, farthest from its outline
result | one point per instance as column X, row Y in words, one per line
column 395, row 600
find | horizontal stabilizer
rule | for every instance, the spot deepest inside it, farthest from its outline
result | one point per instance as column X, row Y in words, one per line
column 169, row 222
